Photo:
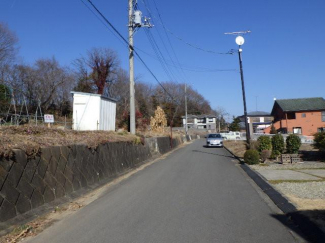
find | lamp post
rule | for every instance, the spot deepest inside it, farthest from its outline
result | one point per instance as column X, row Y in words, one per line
column 240, row 41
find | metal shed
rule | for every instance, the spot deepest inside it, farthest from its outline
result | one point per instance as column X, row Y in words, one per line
column 93, row 112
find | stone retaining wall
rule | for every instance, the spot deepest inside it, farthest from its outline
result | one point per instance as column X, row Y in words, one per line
column 26, row 184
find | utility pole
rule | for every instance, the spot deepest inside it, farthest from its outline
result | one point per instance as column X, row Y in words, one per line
column 186, row 129
column 135, row 22
column 131, row 63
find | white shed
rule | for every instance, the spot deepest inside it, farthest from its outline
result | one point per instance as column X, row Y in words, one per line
column 93, row 112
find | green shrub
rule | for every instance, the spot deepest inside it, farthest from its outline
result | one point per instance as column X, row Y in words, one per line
column 251, row 157
column 319, row 141
column 277, row 144
column 293, row 143
column 264, row 143
column 275, row 154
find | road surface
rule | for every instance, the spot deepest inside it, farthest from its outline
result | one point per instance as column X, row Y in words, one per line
column 195, row 194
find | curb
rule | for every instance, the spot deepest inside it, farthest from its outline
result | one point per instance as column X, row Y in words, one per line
column 312, row 232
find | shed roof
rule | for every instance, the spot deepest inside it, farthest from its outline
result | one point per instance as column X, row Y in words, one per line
column 302, row 104
column 258, row 113
column 91, row 94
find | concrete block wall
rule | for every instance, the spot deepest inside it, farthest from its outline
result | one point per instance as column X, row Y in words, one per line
column 59, row 171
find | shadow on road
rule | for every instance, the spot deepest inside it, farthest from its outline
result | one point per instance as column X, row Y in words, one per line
column 216, row 154
column 300, row 222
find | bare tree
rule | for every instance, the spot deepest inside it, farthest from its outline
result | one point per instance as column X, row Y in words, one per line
column 84, row 82
column 103, row 63
column 220, row 114
column 8, row 40
column 46, row 82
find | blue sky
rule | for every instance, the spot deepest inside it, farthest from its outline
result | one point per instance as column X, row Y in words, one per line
column 283, row 57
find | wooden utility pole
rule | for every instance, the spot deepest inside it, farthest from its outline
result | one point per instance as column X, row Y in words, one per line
column 131, row 63
column 186, row 129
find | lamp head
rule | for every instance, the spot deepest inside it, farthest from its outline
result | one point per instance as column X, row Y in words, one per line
column 240, row 40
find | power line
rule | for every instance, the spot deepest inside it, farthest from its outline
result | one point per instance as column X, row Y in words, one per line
column 135, row 52
column 161, row 38
column 189, row 68
column 159, row 55
column 161, row 20
column 101, row 20
column 179, row 38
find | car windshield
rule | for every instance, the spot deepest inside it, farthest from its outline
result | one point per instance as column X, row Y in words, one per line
column 214, row 136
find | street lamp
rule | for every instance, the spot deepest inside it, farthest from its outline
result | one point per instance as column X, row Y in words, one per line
column 240, row 41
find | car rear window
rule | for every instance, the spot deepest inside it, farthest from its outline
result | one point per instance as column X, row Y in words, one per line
column 214, row 136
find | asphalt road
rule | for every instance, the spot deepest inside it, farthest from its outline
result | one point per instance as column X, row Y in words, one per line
column 195, row 194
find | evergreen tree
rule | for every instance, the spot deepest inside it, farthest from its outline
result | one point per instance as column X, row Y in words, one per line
column 273, row 130
column 234, row 126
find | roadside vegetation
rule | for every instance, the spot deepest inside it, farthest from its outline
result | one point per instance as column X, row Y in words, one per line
column 269, row 150
column 45, row 85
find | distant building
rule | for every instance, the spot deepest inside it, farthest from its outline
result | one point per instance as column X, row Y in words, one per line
column 207, row 122
column 258, row 121
column 304, row 116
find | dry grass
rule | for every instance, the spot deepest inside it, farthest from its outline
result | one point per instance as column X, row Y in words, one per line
column 32, row 138
column 238, row 148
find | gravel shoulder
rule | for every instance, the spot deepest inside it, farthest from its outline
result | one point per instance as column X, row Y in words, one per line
column 304, row 194
column 307, row 196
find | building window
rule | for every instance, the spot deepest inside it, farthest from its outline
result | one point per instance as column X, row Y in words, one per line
column 200, row 120
column 291, row 115
column 297, row 130
column 303, row 115
column 210, row 120
column 321, row 129
column 323, row 116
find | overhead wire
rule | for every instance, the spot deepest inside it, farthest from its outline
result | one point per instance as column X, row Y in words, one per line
column 170, row 44
column 181, row 39
column 131, row 47
column 159, row 55
column 147, row 6
column 101, row 20
column 189, row 68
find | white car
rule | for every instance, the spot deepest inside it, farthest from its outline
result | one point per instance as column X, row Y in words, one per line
column 214, row 139
column 231, row 135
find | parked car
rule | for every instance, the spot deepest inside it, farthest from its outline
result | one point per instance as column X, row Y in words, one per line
column 214, row 139
column 231, row 135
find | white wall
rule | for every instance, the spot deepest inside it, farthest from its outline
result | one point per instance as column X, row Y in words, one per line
column 85, row 112
column 107, row 115
column 93, row 112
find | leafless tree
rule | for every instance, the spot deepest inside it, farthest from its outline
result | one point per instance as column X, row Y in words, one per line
column 103, row 63
column 45, row 83
column 8, row 41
